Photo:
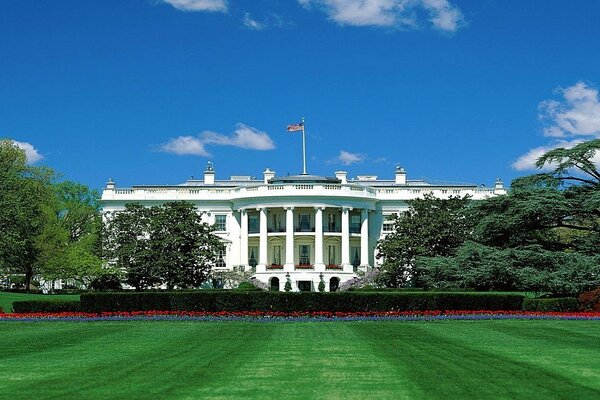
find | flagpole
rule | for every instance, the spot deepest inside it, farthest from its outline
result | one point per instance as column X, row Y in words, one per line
column 303, row 150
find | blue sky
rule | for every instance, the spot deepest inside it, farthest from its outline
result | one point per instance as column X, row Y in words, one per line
column 147, row 91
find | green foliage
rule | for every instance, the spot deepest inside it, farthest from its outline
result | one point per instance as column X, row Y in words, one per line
column 430, row 227
column 46, row 306
column 288, row 285
column 225, row 300
column 559, row 304
column 25, row 192
column 106, row 283
column 321, row 284
column 166, row 244
column 247, row 286
column 531, row 268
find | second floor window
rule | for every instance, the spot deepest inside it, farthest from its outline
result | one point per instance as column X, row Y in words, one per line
column 304, row 223
column 221, row 223
column 354, row 223
column 331, row 222
column 253, row 223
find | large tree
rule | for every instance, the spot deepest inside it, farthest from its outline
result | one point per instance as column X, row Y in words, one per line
column 25, row 192
column 544, row 235
column 430, row 227
column 70, row 242
column 166, row 244
column 126, row 245
column 183, row 247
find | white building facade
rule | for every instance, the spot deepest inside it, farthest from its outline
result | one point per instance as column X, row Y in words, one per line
column 303, row 228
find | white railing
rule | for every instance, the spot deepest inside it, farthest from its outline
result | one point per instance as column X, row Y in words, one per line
column 292, row 189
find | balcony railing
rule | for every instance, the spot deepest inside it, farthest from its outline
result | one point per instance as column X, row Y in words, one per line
column 280, row 229
column 305, row 266
column 275, row 266
column 332, row 229
column 334, row 267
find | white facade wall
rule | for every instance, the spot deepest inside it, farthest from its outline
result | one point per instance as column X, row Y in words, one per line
column 352, row 215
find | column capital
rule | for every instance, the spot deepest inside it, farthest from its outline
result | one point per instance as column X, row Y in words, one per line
column 347, row 208
column 288, row 208
column 319, row 208
column 262, row 208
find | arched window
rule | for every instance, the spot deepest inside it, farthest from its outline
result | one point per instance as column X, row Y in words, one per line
column 274, row 284
column 334, row 284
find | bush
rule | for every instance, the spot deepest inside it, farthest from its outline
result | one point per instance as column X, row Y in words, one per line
column 559, row 304
column 46, row 306
column 106, row 283
column 247, row 286
column 238, row 300
column 590, row 301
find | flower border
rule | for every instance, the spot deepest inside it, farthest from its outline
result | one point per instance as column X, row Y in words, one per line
column 313, row 316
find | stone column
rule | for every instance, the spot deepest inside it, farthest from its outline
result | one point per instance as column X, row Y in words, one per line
column 346, row 235
column 319, row 265
column 262, row 252
column 289, row 239
column 364, row 237
column 244, row 239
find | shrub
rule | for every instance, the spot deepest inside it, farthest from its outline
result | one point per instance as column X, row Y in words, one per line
column 247, row 286
column 239, row 300
column 560, row 304
column 590, row 301
column 46, row 306
column 107, row 282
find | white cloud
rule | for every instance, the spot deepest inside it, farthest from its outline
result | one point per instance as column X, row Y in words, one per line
column 347, row 158
column 199, row 5
column 573, row 119
column 578, row 114
column 251, row 23
column 390, row 13
column 185, row 145
column 31, row 152
column 244, row 136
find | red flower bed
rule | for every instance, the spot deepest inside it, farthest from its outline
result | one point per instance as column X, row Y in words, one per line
column 304, row 314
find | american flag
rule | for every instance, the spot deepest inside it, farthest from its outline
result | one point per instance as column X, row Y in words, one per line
column 295, row 127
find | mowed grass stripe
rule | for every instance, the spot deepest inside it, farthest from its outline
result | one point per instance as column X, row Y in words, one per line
column 495, row 359
column 126, row 360
column 186, row 360
column 315, row 360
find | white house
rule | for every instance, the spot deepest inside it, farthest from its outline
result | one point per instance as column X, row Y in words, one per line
column 297, row 227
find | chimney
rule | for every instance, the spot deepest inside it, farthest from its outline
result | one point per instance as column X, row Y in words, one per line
column 110, row 185
column 400, row 176
column 268, row 175
column 209, row 174
column 499, row 187
column 341, row 175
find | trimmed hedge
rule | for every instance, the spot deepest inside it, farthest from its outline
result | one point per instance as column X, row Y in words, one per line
column 46, row 306
column 214, row 301
column 560, row 304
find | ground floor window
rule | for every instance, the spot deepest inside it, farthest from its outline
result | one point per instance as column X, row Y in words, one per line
column 253, row 256
column 304, row 254
column 277, row 255
column 331, row 260
column 334, row 284
column 305, row 286
column 274, row 287
column 221, row 255
column 355, row 254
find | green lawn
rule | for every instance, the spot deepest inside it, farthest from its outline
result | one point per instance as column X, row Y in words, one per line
column 7, row 298
column 375, row 360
